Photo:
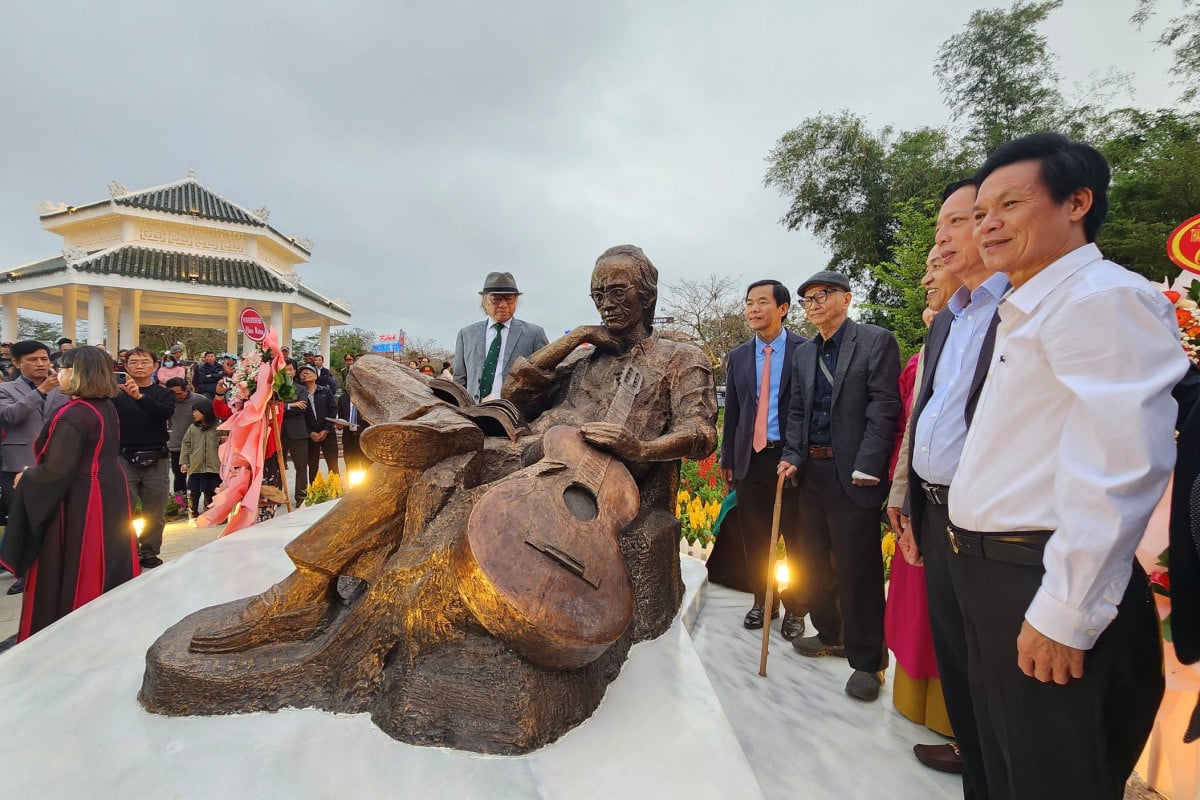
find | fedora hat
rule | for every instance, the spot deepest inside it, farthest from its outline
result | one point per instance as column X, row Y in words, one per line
column 500, row 283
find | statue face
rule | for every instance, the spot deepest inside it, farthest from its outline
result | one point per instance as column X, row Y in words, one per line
column 616, row 299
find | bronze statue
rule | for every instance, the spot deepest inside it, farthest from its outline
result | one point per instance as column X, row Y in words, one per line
column 477, row 592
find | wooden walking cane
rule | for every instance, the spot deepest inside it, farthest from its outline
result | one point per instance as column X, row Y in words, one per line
column 770, row 602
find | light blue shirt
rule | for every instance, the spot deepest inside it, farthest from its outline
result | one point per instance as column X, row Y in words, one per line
column 942, row 427
column 778, row 349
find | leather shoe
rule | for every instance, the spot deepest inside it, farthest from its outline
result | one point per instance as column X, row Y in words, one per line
column 942, row 757
column 793, row 626
column 150, row 562
column 17, row 587
column 813, row 647
column 754, row 617
column 864, row 685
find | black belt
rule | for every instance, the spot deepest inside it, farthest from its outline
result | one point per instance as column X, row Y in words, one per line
column 1021, row 547
column 773, row 444
column 936, row 493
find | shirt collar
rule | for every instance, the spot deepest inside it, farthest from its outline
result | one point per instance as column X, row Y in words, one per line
column 836, row 339
column 28, row 382
column 1034, row 291
column 505, row 325
column 777, row 344
column 991, row 289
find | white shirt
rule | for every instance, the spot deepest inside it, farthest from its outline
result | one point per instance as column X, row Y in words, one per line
column 1074, row 433
column 489, row 336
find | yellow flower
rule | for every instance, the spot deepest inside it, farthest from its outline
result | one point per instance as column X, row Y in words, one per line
column 888, row 544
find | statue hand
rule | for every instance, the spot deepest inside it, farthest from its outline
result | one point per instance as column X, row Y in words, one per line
column 614, row 438
column 600, row 337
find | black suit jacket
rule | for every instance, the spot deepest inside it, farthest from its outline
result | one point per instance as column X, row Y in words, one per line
column 914, row 502
column 296, row 423
column 741, row 402
column 866, row 408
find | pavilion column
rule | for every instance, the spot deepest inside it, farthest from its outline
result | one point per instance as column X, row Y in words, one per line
column 285, row 330
column 111, row 321
column 131, row 318
column 70, row 305
column 95, row 315
column 325, row 339
column 277, row 319
column 9, row 323
column 231, row 324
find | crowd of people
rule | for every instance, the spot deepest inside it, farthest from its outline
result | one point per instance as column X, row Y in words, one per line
column 1017, row 457
column 116, row 442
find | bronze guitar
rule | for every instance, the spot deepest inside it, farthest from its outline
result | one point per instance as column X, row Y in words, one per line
column 540, row 565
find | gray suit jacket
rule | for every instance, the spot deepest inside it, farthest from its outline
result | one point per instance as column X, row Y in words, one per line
column 866, row 408
column 524, row 339
column 23, row 413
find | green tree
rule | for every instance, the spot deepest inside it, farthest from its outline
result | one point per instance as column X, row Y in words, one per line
column 902, row 276
column 1181, row 34
column 999, row 77
column 196, row 341
column 1155, row 158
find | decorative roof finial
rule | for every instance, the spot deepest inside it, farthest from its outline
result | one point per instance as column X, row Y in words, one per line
column 116, row 190
column 262, row 213
column 191, row 173
column 73, row 255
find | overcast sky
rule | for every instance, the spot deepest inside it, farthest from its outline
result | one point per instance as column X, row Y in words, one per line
column 420, row 147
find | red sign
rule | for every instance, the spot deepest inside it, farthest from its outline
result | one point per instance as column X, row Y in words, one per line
column 1183, row 245
column 253, row 325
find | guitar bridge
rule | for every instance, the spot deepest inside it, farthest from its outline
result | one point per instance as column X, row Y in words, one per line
column 565, row 559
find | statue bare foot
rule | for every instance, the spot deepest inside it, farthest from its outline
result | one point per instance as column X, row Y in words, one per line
column 297, row 608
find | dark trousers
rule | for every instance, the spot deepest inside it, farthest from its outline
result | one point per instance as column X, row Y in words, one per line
column 756, row 508
column 327, row 448
column 6, row 492
column 943, row 580
column 1042, row 740
column 179, row 480
column 151, row 486
column 297, row 451
column 201, row 483
column 841, row 565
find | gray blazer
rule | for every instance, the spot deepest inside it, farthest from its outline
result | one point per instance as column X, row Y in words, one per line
column 866, row 408
column 524, row 339
column 23, row 414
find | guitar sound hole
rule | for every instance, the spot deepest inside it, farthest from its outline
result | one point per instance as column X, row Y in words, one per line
column 581, row 503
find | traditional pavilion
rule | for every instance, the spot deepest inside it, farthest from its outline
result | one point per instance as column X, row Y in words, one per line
column 178, row 254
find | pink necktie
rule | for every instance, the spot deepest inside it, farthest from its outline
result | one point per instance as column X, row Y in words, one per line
column 764, row 403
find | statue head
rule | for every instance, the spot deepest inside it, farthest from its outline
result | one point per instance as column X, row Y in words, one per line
column 625, row 288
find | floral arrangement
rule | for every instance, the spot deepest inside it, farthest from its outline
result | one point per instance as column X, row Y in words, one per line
column 698, row 503
column 244, row 382
column 1187, row 314
column 1160, row 585
column 177, row 506
column 323, row 488
column 887, row 542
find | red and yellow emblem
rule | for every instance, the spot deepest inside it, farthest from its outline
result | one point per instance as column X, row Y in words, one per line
column 1183, row 245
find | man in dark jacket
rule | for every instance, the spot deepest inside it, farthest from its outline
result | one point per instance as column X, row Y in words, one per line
column 841, row 428
column 295, row 435
column 143, row 409
column 206, row 375
column 322, row 432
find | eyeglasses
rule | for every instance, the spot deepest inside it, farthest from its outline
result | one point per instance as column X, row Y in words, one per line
column 818, row 297
column 614, row 293
column 497, row 299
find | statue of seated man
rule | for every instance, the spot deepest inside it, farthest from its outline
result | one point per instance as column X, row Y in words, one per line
column 563, row 384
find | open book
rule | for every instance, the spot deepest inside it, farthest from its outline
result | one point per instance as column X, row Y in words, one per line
column 495, row 417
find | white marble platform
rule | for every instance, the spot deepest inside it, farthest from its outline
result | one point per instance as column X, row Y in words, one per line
column 688, row 716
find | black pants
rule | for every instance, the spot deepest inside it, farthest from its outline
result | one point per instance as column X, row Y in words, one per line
column 841, row 565
column 201, row 483
column 327, row 448
column 149, row 485
column 943, row 581
column 756, row 508
column 297, row 451
column 179, row 479
column 1042, row 740
column 6, row 492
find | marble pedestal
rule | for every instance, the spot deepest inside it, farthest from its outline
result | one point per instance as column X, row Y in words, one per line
column 688, row 717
